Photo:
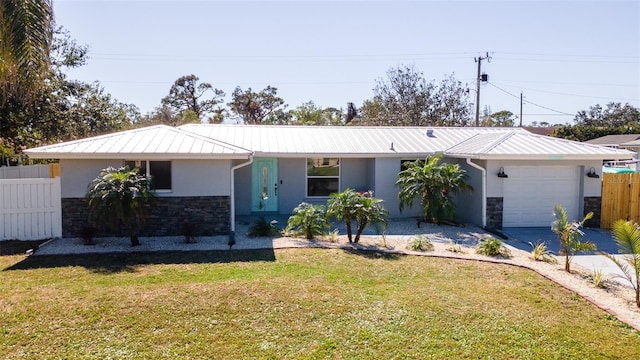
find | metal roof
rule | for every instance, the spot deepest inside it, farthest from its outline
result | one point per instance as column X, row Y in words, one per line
column 613, row 140
column 154, row 142
column 199, row 141
column 527, row 146
column 343, row 141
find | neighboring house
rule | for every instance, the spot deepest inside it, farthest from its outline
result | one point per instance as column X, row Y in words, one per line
column 629, row 142
column 208, row 174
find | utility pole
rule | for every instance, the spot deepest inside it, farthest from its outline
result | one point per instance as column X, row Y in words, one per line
column 479, row 61
column 520, row 108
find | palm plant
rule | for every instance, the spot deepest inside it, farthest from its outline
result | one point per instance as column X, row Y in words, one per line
column 308, row 220
column 570, row 235
column 369, row 210
column 118, row 195
column 626, row 234
column 26, row 36
column 343, row 206
column 433, row 184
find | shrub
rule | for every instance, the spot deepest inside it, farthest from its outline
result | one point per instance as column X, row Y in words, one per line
column 540, row 252
column 420, row 243
column 188, row 230
column 307, row 220
column 492, row 247
column 455, row 248
column 88, row 233
column 261, row 227
column 598, row 278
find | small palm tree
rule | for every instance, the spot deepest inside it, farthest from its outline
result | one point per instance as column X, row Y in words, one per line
column 433, row 184
column 117, row 195
column 626, row 234
column 570, row 235
column 343, row 206
column 369, row 210
column 308, row 220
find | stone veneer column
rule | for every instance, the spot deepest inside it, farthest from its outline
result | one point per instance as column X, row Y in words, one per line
column 208, row 214
column 494, row 212
column 593, row 203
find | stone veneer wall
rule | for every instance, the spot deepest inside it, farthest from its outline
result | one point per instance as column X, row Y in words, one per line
column 208, row 214
column 494, row 212
column 593, row 203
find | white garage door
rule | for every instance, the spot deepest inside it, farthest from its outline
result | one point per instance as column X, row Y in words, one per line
column 531, row 192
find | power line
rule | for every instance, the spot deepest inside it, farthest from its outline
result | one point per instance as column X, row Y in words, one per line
column 568, row 94
column 530, row 102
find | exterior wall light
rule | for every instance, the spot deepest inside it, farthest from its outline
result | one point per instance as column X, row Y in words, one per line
column 501, row 173
column 592, row 173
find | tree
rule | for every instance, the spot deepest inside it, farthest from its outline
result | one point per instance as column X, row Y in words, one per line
column 369, row 210
column 310, row 114
column 503, row 118
column 406, row 98
column 434, row 184
column 26, row 36
column 59, row 109
column 626, row 234
column 263, row 107
column 570, row 235
column 118, row 195
column 597, row 122
column 361, row 207
column 186, row 94
column 614, row 115
column 343, row 206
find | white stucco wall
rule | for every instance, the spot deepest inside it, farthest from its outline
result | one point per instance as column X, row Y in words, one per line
column 469, row 203
column 189, row 177
column 590, row 186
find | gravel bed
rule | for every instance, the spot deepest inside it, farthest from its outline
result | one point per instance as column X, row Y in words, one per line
column 398, row 232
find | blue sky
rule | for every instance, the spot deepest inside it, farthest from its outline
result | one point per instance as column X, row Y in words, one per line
column 563, row 56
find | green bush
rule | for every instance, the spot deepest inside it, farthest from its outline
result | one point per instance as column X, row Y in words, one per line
column 261, row 227
column 307, row 220
column 540, row 252
column 420, row 243
column 492, row 247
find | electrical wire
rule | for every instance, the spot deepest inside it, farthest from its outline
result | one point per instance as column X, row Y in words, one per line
column 530, row 102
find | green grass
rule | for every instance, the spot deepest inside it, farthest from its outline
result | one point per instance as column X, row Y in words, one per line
column 300, row 303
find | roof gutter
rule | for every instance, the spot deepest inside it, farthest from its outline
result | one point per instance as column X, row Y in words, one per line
column 232, row 215
column 484, row 190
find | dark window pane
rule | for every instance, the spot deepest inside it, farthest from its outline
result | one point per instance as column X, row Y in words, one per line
column 321, row 187
column 160, row 175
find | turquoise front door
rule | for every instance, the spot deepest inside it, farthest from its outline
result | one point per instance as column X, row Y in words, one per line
column 264, row 192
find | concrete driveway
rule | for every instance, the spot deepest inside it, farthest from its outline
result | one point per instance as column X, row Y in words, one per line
column 520, row 238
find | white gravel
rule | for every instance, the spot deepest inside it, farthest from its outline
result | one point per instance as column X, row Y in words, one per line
column 397, row 231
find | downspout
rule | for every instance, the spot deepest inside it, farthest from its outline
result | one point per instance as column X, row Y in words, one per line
column 484, row 190
column 232, row 216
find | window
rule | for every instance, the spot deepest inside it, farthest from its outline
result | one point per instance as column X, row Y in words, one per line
column 159, row 171
column 323, row 176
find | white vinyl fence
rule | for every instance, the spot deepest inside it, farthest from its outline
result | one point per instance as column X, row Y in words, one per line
column 26, row 171
column 30, row 209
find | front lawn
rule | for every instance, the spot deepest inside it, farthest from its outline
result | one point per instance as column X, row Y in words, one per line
column 299, row 303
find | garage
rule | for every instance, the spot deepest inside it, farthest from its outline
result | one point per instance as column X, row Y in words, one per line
column 531, row 192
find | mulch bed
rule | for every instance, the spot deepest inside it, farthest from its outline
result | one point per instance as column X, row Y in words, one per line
column 13, row 247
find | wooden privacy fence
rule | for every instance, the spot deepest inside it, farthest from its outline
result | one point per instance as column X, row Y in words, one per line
column 30, row 209
column 620, row 198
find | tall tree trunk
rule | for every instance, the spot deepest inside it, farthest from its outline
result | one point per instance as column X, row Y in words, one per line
column 361, row 227
column 347, row 220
